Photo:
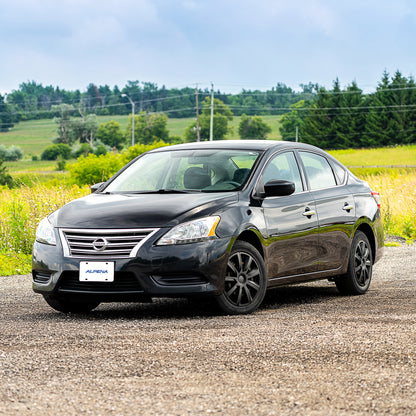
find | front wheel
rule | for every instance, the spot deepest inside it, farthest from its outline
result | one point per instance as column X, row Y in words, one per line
column 63, row 304
column 360, row 267
column 245, row 280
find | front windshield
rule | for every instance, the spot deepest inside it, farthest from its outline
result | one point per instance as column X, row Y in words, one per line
column 186, row 171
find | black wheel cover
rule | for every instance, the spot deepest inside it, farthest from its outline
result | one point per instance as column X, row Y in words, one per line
column 362, row 263
column 242, row 280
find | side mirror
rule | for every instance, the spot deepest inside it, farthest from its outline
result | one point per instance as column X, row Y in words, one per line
column 278, row 187
column 96, row 187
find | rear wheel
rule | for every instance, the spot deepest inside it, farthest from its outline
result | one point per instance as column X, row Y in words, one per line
column 63, row 304
column 245, row 280
column 360, row 267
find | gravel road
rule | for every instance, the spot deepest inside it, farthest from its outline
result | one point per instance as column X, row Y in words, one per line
column 307, row 351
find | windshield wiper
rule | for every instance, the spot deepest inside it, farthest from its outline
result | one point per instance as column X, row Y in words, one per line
column 165, row 191
column 177, row 191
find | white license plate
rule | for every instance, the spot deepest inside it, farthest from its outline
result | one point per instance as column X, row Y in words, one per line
column 96, row 271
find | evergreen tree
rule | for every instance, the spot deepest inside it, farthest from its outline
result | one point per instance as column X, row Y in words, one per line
column 350, row 121
column 391, row 118
column 319, row 128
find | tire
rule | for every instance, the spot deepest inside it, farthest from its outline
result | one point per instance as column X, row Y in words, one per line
column 66, row 305
column 360, row 267
column 245, row 280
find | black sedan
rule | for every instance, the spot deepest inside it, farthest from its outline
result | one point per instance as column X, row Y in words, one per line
column 225, row 219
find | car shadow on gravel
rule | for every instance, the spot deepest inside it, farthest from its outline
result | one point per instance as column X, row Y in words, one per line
column 194, row 308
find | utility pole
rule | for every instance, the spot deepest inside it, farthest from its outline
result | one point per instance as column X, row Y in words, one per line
column 297, row 134
column 132, row 111
column 211, row 124
column 198, row 137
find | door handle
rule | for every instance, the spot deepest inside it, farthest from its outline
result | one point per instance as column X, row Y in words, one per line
column 347, row 207
column 308, row 213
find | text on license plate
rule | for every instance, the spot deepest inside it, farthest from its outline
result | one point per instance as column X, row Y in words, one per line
column 96, row 271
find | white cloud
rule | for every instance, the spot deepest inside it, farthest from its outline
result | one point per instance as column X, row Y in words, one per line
column 74, row 42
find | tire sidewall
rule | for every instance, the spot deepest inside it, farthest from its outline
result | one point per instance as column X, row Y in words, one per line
column 358, row 238
column 224, row 303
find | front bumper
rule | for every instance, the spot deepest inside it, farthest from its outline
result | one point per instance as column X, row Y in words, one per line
column 156, row 271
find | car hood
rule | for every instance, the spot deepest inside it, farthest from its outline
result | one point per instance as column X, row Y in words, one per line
column 138, row 211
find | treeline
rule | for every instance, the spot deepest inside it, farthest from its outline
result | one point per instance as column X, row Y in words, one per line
column 345, row 118
column 34, row 101
column 334, row 118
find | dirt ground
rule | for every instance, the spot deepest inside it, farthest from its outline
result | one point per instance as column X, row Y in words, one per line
column 306, row 351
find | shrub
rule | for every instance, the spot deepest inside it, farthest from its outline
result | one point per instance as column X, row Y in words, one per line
column 175, row 140
column 83, row 149
column 101, row 149
column 53, row 151
column 60, row 164
column 5, row 178
column 12, row 153
column 138, row 149
column 92, row 169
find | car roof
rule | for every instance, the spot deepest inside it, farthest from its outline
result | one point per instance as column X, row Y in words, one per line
column 260, row 145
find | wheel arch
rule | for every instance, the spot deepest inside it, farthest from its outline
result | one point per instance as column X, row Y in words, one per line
column 368, row 231
column 249, row 236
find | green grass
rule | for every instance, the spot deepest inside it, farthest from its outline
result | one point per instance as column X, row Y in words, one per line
column 387, row 156
column 29, row 166
column 31, row 136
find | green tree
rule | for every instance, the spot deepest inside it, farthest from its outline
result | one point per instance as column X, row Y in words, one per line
column 148, row 128
column 64, row 123
column 391, row 118
column 330, row 122
column 222, row 115
column 351, row 120
column 6, row 115
column 110, row 133
column 253, row 128
column 294, row 119
column 84, row 129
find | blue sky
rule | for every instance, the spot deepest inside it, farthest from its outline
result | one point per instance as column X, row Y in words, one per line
column 233, row 43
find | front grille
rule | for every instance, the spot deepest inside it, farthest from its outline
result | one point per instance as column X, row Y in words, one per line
column 103, row 244
column 123, row 282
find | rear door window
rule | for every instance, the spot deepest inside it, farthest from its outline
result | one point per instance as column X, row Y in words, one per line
column 318, row 170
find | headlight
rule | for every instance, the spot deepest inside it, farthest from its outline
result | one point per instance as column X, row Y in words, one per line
column 191, row 232
column 45, row 233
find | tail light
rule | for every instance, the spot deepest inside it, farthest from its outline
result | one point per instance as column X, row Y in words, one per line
column 376, row 197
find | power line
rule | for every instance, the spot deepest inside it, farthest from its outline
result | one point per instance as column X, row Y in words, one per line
column 271, row 93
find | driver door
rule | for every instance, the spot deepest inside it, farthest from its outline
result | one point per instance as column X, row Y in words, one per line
column 291, row 221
